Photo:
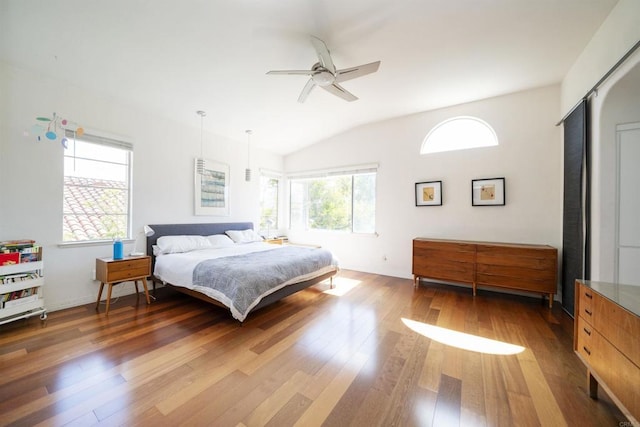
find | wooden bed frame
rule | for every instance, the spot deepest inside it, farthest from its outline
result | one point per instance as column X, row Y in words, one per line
column 208, row 229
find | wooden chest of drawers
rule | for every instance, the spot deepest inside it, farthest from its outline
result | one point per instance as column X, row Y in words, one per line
column 531, row 268
column 606, row 339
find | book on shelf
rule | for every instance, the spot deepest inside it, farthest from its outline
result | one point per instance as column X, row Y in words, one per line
column 9, row 258
column 10, row 296
column 19, row 301
column 19, row 251
column 13, row 278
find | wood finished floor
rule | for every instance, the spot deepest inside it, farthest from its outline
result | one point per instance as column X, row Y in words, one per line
column 312, row 359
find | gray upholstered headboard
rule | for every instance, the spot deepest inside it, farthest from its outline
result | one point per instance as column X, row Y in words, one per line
column 206, row 229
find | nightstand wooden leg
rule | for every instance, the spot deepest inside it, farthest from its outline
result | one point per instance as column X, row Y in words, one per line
column 135, row 282
column 146, row 290
column 108, row 298
column 99, row 295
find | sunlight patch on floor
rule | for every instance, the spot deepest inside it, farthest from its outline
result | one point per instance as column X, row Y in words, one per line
column 342, row 286
column 462, row 340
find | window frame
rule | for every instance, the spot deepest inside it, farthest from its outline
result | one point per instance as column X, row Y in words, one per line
column 279, row 177
column 127, row 147
column 424, row 147
column 352, row 172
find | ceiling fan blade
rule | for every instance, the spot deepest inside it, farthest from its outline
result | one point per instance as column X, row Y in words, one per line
column 353, row 72
column 292, row 72
column 323, row 54
column 306, row 90
column 338, row 90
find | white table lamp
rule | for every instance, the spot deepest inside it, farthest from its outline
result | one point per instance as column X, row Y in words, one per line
column 146, row 231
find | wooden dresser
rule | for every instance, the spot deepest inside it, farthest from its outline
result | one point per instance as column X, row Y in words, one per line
column 607, row 340
column 531, row 268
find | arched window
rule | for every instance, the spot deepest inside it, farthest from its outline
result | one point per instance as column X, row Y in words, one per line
column 459, row 133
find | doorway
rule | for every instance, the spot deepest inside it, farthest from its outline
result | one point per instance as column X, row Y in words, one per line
column 627, row 267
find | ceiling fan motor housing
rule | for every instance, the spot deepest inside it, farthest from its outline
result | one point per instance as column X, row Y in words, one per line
column 321, row 76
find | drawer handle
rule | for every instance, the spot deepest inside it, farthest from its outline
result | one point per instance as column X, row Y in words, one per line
column 587, row 350
column 588, row 332
column 588, row 312
column 588, row 295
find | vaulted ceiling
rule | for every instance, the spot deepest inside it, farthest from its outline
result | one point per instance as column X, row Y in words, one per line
column 175, row 57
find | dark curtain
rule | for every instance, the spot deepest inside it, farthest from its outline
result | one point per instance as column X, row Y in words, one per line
column 575, row 206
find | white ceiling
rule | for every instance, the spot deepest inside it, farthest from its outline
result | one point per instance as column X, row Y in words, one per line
column 175, row 57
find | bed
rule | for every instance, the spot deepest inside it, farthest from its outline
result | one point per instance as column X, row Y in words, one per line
column 225, row 264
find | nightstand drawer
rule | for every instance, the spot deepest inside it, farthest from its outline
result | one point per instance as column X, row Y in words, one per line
column 108, row 271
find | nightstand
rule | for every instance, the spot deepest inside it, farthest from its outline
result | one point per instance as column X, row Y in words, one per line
column 275, row 240
column 111, row 272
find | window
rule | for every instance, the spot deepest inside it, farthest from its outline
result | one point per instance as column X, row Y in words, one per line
column 459, row 133
column 338, row 201
column 97, row 189
column 269, row 190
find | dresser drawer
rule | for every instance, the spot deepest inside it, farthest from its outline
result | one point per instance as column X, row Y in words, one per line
column 440, row 260
column 616, row 370
column 586, row 305
column 620, row 327
column 585, row 340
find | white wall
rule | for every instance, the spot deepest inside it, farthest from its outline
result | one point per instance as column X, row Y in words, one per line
column 617, row 34
column 31, row 173
column 529, row 157
column 616, row 103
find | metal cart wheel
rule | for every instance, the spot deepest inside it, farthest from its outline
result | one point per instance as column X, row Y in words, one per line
column 43, row 316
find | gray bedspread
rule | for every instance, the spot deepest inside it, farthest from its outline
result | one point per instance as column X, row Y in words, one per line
column 241, row 281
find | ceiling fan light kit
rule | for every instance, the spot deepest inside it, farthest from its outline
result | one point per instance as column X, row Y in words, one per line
column 324, row 73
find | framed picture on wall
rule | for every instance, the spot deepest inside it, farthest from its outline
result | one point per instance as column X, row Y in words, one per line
column 487, row 192
column 429, row 193
column 212, row 188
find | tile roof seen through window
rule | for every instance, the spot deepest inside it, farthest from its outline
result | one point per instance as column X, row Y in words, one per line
column 94, row 209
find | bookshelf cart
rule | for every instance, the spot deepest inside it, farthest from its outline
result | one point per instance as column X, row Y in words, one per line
column 21, row 286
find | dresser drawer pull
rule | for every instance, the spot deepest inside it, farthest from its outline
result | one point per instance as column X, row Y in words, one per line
column 588, row 332
column 588, row 312
column 586, row 350
column 588, row 295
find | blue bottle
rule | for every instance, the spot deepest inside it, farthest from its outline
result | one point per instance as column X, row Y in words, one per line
column 118, row 249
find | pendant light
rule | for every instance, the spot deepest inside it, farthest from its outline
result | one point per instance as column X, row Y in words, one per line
column 200, row 161
column 247, row 171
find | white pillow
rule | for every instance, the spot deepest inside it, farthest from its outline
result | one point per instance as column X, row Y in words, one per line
column 244, row 236
column 220, row 241
column 176, row 244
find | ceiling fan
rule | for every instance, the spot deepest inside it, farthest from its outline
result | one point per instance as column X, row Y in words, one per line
column 324, row 73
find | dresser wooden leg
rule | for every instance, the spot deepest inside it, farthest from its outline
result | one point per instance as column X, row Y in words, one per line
column 593, row 385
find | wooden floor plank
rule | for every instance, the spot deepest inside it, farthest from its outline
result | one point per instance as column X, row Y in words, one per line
column 314, row 358
column 289, row 412
column 286, row 396
column 448, row 404
column 322, row 406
